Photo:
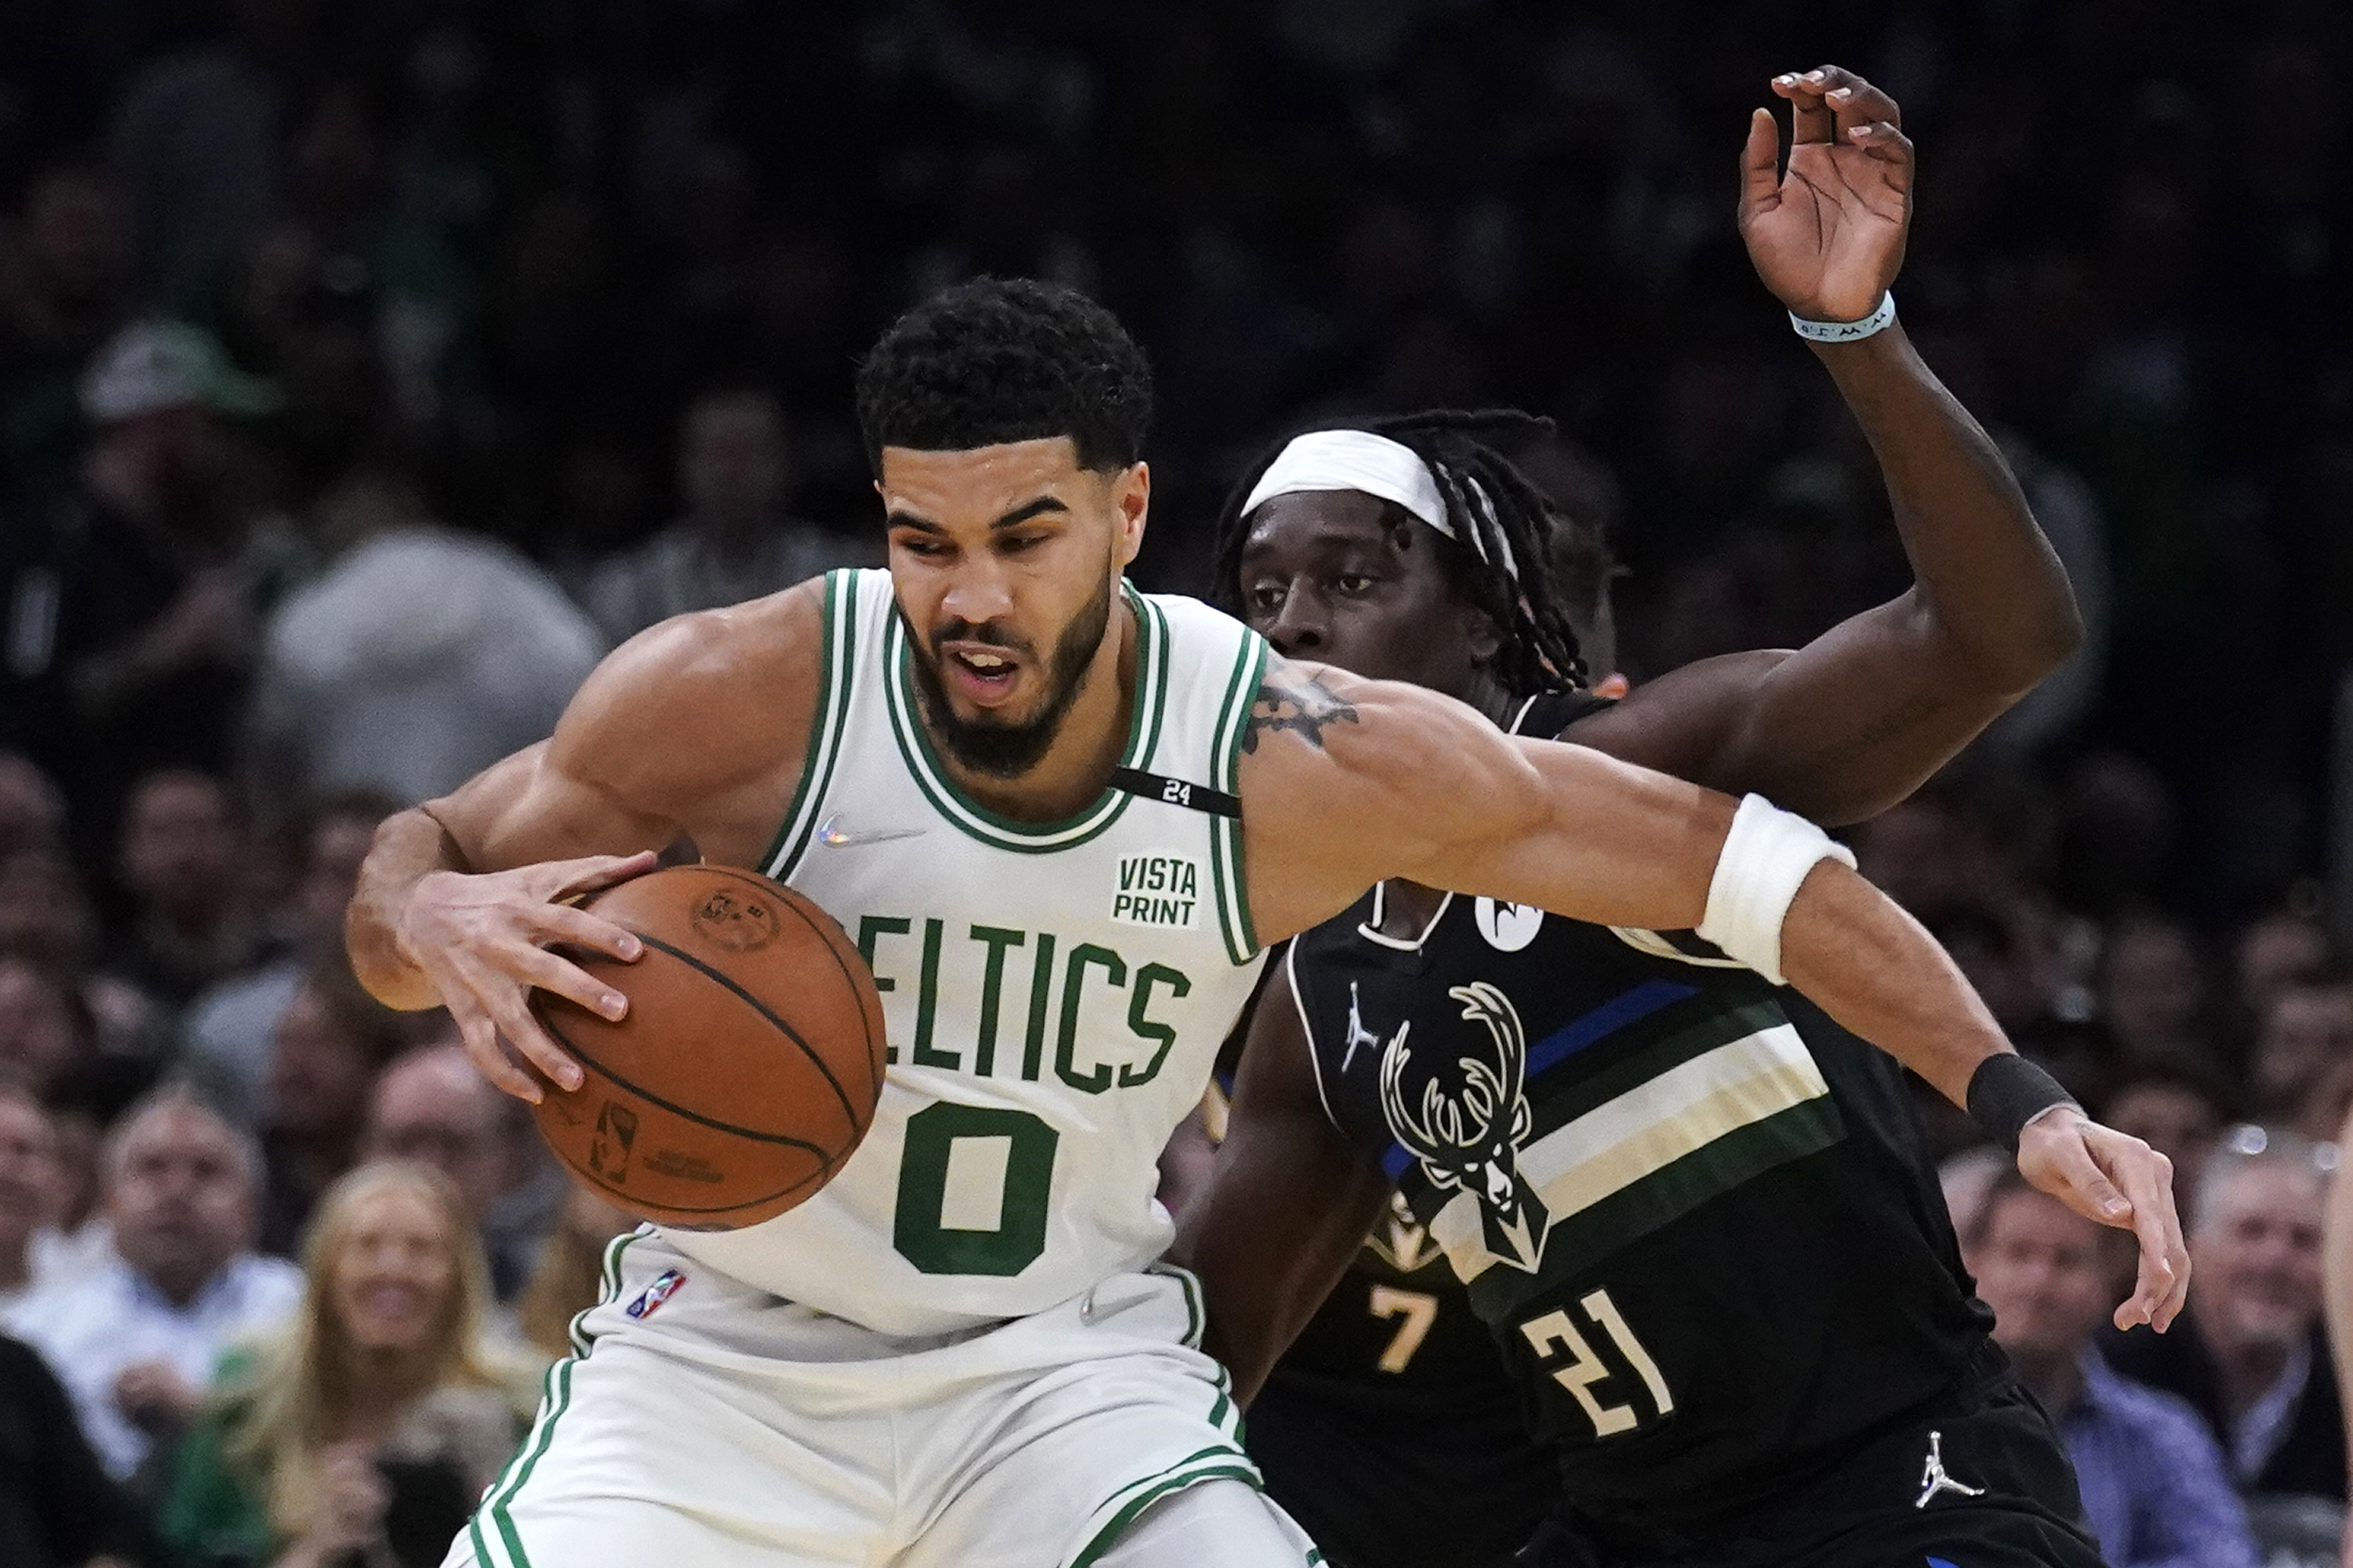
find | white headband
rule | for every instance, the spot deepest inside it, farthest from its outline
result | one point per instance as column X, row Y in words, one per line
column 1360, row 460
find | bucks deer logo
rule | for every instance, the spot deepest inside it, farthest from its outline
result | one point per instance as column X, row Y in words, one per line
column 1465, row 1117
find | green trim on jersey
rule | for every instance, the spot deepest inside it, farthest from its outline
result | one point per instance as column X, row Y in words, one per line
column 1005, row 832
column 840, row 637
column 555, row 1397
column 1225, row 832
column 1130, row 1501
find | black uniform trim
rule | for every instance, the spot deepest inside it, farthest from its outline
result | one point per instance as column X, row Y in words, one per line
column 1177, row 792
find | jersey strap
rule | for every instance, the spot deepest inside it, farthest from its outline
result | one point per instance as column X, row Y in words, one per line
column 1177, row 792
column 840, row 637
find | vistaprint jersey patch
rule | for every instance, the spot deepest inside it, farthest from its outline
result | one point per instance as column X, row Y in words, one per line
column 1159, row 887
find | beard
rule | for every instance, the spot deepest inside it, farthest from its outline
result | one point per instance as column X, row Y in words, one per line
column 993, row 747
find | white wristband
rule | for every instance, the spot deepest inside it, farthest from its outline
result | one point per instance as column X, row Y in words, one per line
column 1765, row 859
column 1847, row 331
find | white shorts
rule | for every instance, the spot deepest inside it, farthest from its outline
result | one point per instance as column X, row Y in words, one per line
column 704, row 1422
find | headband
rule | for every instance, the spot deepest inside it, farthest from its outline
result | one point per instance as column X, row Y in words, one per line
column 1360, row 460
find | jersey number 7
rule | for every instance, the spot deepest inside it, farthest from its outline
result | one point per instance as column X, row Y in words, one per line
column 1583, row 1369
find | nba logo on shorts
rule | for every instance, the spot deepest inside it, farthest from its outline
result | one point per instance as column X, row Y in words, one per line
column 664, row 1286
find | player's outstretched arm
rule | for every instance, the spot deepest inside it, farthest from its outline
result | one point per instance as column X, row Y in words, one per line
column 1855, row 721
column 1350, row 781
column 1288, row 1202
column 694, row 728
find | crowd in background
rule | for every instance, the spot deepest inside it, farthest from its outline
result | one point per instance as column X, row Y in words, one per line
column 366, row 372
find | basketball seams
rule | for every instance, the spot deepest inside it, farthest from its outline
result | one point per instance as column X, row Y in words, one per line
column 730, row 985
column 677, row 1109
column 836, row 940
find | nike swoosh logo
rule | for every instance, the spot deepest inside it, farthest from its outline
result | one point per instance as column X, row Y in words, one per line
column 834, row 835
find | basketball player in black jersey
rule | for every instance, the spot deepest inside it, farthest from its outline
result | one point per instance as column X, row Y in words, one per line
column 1721, row 1277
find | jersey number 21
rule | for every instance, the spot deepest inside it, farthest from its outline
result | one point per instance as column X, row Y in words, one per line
column 1556, row 1331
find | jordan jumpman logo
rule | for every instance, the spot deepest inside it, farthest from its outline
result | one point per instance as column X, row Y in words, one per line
column 1933, row 1479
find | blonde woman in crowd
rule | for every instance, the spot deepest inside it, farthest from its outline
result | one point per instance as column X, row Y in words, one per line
column 360, row 1437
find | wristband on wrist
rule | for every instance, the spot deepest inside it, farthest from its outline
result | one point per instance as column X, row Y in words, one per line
column 1847, row 331
column 2007, row 1091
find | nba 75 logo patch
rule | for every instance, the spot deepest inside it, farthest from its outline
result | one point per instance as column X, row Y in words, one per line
column 665, row 1285
column 1158, row 890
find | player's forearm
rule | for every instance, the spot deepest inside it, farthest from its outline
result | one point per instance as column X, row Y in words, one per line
column 1852, row 951
column 408, row 847
column 1983, row 570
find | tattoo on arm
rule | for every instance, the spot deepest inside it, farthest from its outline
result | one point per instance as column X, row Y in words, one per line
column 1300, row 703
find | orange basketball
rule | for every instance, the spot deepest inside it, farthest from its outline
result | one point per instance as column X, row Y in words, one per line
column 748, row 1065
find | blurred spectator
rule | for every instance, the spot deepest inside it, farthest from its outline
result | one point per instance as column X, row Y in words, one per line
column 46, row 1026
column 2153, row 990
column 2305, row 1032
column 1967, row 1179
column 434, row 1108
column 364, row 1431
column 46, row 917
column 185, row 860
column 2275, row 951
column 85, row 1104
column 734, row 469
column 63, row 296
column 28, row 1196
column 228, row 1029
column 32, row 812
column 567, row 1276
column 420, row 657
column 132, row 583
column 59, row 1508
column 2179, row 1109
column 2155, row 1489
column 2250, row 1351
column 135, row 1341
column 331, row 1041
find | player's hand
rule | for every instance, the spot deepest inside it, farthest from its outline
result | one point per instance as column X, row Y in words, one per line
column 2117, row 1180
column 1828, row 235
column 481, row 941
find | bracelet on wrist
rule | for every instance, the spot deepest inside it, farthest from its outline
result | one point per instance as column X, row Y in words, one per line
column 2007, row 1091
column 1847, row 331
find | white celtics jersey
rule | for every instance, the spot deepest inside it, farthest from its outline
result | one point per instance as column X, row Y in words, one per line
column 1056, row 993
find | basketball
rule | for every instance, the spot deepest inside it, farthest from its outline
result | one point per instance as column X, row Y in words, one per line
column 746, row 1070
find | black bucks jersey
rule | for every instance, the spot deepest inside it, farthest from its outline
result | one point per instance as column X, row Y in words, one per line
column 1703, row 1236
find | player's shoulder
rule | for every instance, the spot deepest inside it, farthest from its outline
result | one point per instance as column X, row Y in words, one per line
column 739, row 682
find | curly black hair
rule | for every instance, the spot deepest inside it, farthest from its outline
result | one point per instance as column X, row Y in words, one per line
column 1497, row 514
column 1007, row 358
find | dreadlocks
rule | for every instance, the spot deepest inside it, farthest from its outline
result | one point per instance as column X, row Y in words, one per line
column 1502, row 550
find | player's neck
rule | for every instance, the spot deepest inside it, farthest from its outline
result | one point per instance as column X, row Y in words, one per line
column 1077, row 767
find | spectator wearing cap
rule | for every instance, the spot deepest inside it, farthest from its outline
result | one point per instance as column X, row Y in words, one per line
column 735, row 542
column 2154, row 1488
column 418, row 658
column 135, row 1341
column 131, row 583
column 2250, row 1354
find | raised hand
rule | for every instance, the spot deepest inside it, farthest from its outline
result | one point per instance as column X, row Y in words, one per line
column 481, row 941
column 2117, row 1180
column 1828, row 235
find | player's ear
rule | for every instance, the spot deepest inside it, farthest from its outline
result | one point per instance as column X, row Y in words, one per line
column 1130, row 501
column 1481, row 635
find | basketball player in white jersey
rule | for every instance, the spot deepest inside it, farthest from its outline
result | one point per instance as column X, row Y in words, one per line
column 1062, row 819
